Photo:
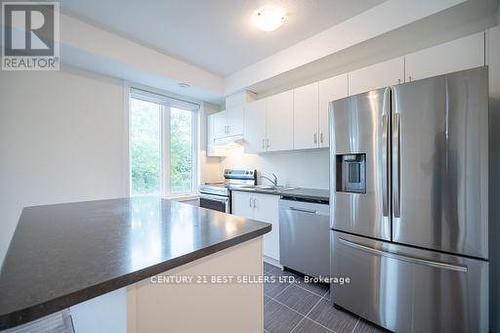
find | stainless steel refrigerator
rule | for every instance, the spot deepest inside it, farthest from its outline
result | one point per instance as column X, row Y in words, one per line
column 409, row 204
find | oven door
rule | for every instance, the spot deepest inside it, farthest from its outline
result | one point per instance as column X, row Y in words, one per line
column 215, row 202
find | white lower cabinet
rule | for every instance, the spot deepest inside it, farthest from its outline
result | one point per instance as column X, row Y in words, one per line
column 241, row 204
column 261, row 207
column 267, row 210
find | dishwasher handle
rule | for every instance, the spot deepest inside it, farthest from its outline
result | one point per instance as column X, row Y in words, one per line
column 303, row 210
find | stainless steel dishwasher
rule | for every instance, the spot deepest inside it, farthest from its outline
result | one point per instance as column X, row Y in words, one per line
column 304, row 236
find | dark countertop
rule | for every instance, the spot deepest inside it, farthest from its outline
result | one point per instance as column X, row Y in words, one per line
column 65, row 254
column 291, row 193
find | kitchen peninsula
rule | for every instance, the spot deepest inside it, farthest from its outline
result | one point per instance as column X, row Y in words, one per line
column 65, row 254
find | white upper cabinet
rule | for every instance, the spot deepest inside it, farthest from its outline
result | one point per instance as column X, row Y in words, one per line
column 310, row 111
column 298, row 118
column 219, row 124
column 380, row 75
column 329, row 90
column 212, row 149
column 235, row 120
column 279, row 121
column 457, row 55
column 229, row 122
column 255, row 126
column 305, row 117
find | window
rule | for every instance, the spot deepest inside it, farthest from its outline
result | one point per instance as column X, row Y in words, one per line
column 145, row 147
column 181, row 150
column 163, row 144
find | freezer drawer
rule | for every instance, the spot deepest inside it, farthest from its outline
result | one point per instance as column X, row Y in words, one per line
column 304, row 237
column 409, row 290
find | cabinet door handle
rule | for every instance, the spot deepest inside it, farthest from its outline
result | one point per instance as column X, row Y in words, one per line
column 410, row 78
column 250, row 202
column 321, row 137
column 263, row 144
column 254, row 202
column 268, row 143
column 315, row 138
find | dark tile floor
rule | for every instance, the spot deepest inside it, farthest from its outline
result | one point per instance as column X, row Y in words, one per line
column 290, row 305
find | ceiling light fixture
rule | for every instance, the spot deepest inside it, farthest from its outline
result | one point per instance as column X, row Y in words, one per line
column 269, row 18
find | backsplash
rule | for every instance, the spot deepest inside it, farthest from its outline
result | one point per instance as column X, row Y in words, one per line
column 306, row 168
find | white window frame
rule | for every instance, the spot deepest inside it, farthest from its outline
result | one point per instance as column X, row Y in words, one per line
column 166, row 101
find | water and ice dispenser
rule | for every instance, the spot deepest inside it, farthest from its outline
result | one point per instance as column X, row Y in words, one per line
column 351, row 173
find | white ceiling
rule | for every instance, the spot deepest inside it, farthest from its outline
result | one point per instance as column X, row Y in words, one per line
column 216, row 35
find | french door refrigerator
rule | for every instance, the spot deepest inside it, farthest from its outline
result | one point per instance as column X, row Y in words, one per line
column 409, row 204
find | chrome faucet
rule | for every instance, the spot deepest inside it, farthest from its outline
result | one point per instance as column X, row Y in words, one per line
column 274, row 181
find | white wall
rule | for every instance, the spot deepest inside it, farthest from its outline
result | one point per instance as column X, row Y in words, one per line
column 62, row 138
column 306, row 168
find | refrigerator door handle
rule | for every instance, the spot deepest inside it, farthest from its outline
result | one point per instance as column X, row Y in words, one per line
column 400, row 257
column 396, row 160
column 385, row 167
